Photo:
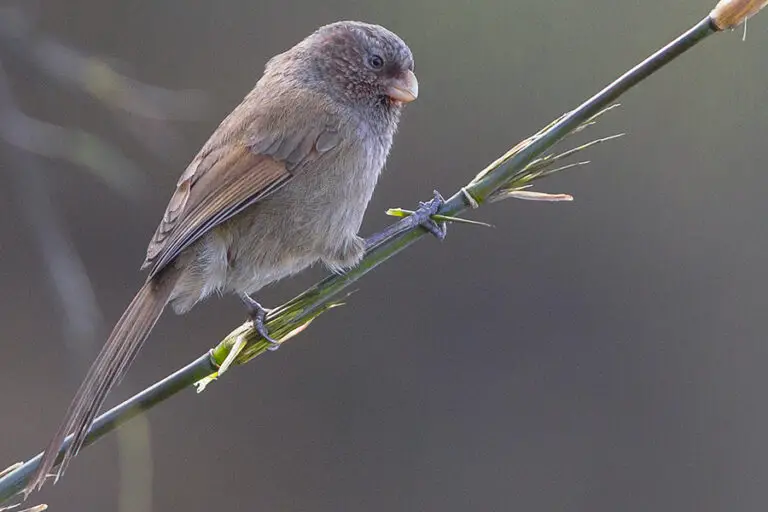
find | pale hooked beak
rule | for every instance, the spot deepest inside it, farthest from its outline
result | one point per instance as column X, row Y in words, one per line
column 404, row 88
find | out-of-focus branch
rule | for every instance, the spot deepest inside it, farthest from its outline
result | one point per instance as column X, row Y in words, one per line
column 144, row 110
column 77, row 147
column 94, row 76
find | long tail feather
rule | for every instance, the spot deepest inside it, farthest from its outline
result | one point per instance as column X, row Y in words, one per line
column 110, row 366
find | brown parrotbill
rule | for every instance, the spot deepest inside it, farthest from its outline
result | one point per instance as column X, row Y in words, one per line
column 281, row 184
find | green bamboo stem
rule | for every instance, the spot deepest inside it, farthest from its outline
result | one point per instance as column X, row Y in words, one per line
column 14, row 481
column 515, row 169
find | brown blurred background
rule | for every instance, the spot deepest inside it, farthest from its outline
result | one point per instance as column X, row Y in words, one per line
column 607, row 354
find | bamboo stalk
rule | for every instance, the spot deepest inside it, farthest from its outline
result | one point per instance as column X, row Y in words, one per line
column 511, row 173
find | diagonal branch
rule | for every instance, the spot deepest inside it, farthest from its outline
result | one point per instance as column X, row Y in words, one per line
column 513, row 171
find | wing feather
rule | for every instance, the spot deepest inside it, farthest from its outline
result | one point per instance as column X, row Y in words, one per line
column 227, row 177
column 232, row 184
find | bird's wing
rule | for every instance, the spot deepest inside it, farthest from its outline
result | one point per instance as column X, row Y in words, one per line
column 229, row 175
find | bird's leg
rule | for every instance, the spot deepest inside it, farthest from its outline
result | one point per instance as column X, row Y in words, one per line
column 258, row 314
column 421, row 217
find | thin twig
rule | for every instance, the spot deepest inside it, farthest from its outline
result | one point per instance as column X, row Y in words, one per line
column 508, row 172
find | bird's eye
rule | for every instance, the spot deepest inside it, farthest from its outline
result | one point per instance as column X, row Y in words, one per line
column 376, row 61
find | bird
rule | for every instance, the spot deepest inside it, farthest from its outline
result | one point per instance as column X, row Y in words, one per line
column 281, row 184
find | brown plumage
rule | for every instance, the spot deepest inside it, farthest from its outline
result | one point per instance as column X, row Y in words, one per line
column 282, row 183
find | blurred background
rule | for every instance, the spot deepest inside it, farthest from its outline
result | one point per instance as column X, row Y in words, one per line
column 606, row 354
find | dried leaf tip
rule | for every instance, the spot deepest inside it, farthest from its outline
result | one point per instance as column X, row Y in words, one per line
column 731, row 13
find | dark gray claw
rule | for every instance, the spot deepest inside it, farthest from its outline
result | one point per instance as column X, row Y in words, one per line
column 421, row 217
column 257, row 313
column 424, row 216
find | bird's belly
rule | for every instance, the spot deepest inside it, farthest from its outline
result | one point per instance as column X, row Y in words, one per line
column 245, row 279
column 316, row 217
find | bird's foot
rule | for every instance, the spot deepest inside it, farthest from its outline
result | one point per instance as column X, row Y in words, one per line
column 424, row 213
column 258, row 314
column 421, row 217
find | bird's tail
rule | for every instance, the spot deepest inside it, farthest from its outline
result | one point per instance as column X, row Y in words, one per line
column 110, row 365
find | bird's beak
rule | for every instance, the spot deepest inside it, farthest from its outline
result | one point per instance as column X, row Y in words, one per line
column 404, row 88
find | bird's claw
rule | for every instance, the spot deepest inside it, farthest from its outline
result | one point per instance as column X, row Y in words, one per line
column 258, row 324
column 425, row 212
column 258, row 314
column 421, row 217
